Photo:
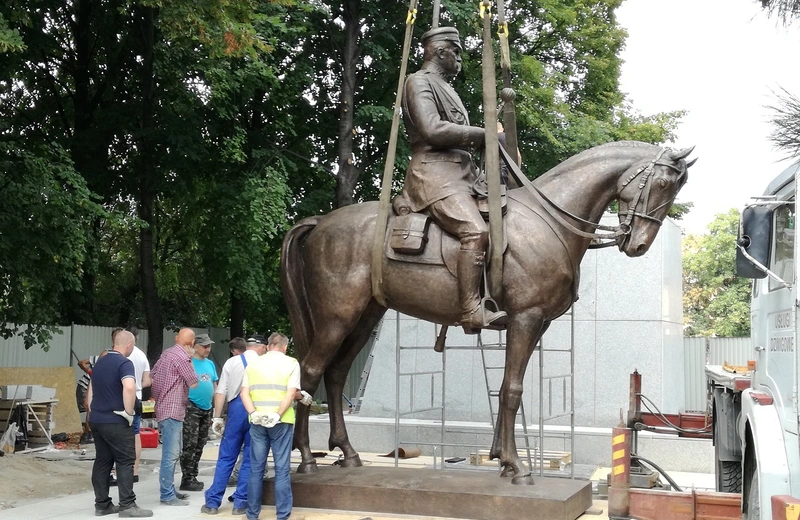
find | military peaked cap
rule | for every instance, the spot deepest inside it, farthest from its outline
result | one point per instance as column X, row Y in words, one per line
column 449, row 34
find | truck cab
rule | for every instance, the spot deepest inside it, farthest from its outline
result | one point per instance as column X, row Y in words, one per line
column 756, row 427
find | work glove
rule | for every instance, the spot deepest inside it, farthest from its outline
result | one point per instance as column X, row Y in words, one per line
column 218, row 425
column 256, row 417
column 125, row 415
column 270, row 419
column 307, row 399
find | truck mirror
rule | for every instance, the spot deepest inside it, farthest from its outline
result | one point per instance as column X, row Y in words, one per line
column 755, row 236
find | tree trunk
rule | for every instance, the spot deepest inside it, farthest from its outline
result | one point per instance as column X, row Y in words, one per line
column 237, row 317
column 348, row 173
column 147, row 192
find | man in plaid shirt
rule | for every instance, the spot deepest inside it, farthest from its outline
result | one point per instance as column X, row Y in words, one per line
column 173, row 375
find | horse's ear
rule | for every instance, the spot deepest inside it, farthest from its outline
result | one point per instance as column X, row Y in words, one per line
column 677, row 155
column 690, row 163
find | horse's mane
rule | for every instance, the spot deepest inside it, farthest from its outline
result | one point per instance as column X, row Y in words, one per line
column 591, row 154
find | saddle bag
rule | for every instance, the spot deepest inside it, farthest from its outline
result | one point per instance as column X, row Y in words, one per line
column 410, row 233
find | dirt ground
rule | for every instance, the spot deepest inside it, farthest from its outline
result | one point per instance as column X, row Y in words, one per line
column 27, row 477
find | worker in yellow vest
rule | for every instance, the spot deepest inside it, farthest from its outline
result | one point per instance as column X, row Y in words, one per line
column 270, row 386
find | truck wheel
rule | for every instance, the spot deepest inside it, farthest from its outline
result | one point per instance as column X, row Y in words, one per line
column 753, row 505
column 729, row 473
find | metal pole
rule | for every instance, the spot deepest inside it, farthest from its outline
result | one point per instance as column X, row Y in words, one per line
column 619, row 501
column 397, row 391
column 492, row 154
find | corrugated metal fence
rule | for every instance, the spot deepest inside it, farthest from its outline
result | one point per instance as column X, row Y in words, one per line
column 78, row 342
column 712, row 351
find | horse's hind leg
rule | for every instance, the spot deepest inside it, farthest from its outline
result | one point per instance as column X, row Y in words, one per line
column 324, row 346
column 335, row 376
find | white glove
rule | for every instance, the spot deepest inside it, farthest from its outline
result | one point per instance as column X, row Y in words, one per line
column 270, row 419
column 256, row 417
column 307, row 399
column 218, row 425
column 125, row 415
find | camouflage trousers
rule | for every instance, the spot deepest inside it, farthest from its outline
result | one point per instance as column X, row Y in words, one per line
column 195, row 435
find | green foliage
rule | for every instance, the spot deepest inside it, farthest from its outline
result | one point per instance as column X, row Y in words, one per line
column 44, row 221
column 715, row 301
column 224, row 116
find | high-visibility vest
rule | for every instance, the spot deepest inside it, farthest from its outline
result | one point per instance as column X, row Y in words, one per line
column 268, row 377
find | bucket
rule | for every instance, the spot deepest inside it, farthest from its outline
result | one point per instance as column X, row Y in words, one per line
column 149, row 437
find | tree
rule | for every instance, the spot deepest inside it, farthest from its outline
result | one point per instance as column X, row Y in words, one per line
column 785, row 10
column 786, row 123
column 716, row 302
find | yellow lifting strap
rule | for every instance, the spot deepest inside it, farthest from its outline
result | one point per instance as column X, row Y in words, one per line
column 388, row 169
column 492, row 154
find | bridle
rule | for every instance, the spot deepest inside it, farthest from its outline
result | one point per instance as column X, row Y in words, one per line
column 600, row 240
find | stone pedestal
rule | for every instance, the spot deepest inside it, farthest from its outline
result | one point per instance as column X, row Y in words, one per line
column 477, row 495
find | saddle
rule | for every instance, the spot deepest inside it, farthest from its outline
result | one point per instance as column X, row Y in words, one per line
column 415, row 238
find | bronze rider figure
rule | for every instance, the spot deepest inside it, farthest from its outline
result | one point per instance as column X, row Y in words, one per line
column 441, row 174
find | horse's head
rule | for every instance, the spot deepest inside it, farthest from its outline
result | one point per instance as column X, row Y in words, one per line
column 646, row 193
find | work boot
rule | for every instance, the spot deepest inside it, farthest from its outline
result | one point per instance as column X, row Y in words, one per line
column 233, row 480
column 192, row 485
column 135, row 512
column 174, row 502
column 87, row 438
column 474, row 316
column 238, row 511
column 209, row 510
column 110, row 510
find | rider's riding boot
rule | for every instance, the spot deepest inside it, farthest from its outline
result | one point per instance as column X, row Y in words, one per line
column 473, row 314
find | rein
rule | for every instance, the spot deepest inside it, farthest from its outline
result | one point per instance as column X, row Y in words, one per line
column 614, row 232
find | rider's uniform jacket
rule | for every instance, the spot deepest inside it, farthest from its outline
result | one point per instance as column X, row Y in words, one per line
column 440, row 135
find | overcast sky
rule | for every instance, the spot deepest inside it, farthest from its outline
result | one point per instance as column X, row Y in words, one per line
column 720, row 60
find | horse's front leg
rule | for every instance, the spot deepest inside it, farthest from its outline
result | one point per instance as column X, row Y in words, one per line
column 524, row 330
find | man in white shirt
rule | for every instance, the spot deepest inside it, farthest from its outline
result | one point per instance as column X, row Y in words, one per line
column 141, row 368
column 235, row 431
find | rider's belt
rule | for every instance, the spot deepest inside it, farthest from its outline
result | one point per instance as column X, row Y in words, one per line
column 410, row 233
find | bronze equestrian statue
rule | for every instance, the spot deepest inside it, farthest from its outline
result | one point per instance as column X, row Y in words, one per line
column 550, row 224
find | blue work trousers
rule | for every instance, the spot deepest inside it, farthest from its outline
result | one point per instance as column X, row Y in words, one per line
column 236, row 435
column 171, row 446
column 279, row 440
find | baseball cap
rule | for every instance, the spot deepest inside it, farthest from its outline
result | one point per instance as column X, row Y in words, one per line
column 203, row 339
column 256, row 339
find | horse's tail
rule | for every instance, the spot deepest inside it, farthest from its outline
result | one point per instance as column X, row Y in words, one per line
column 293, row 285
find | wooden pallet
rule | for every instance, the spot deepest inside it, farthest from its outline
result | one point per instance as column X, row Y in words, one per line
column 552, row 459
column 39, row 431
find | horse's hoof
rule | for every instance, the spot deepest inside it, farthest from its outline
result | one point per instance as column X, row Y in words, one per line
column 523, row 480
column 508, row 471
column 350, row 462
column 308, row 467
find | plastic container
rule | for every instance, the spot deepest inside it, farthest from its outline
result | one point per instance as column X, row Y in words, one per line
column 149, row 437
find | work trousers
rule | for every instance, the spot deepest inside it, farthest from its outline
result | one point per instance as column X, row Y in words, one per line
column 114, row 443
column 195, row 434
column 236, row 435
column 262, row 440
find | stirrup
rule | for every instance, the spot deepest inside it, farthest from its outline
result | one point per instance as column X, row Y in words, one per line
column 497, row 322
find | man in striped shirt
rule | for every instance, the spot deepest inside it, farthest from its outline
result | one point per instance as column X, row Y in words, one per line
column 173, row 375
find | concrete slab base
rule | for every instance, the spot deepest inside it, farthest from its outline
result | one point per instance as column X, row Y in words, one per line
column 447, row 493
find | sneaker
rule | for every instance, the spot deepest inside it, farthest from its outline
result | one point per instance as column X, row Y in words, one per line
column 182, row 496
column 110, row 510
column 174, row 502
column 87, row 438
column 192, row 485
column 237, row 511
column 135, row 512
column 209, row 510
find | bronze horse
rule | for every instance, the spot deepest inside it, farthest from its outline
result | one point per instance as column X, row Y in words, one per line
column 325, row 273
